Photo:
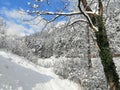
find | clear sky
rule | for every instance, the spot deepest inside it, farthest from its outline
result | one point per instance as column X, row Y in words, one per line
column 9, row 11
column 13, row 4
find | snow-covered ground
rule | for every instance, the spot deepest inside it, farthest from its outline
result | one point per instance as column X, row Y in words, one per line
column 16, row 73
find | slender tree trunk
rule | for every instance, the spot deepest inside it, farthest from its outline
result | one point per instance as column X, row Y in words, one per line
column 88, row 48
column 106, row 56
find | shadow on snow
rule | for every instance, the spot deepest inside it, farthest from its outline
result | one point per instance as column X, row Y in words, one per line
column 13, row 76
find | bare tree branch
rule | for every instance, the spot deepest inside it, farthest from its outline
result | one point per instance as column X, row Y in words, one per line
column 86, row 15
column 60, row 13
column 100, row 7
column 80, row 20
column 107, row 9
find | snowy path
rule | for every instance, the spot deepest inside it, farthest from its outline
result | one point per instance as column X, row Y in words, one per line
column 18, row 74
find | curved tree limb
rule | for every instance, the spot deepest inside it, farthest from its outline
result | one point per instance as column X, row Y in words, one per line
column 87, row 15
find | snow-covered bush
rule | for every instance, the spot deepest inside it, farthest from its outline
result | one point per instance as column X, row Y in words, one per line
column 46, row 62
column 17, row 46
column 2, row 33
column 77, row 70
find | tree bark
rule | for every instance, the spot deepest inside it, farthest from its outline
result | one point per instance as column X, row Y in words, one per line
column 106, row 56
column 103, row 43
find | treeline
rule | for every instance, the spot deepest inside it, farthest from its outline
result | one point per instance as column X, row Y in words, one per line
column 67, row 41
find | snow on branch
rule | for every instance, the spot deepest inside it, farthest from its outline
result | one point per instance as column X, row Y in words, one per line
column 77, row 21
column 59, row 13
column 95, row 29
column 107, row 9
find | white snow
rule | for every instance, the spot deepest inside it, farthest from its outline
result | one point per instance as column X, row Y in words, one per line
column 16, row 73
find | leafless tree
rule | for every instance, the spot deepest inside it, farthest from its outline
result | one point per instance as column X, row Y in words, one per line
column 96, row 22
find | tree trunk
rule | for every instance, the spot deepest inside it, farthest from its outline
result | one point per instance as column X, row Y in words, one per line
column 88, row 48
column 106, row 56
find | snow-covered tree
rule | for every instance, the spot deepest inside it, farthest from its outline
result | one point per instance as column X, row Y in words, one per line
column 2, row 33
column 93, row 13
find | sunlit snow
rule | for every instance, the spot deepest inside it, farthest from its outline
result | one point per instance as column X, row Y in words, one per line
column 18, row 74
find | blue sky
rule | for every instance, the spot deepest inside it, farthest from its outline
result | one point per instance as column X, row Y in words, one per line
column 9, row 11
column 12, row 4
column 15, row 25
column 15, row 4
